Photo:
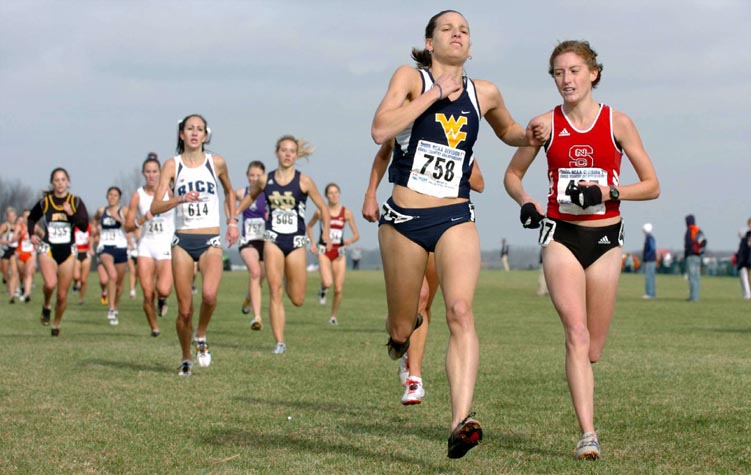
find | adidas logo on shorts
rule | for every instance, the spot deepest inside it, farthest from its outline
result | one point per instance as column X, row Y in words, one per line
column 604, row 240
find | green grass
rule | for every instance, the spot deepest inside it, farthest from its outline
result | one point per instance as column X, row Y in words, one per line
column 673, row 389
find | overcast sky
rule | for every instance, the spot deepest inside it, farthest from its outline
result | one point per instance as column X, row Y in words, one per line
column 95, row 85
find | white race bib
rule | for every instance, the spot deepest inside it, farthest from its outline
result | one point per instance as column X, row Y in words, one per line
column 59, row 232
column 254, row 229
column 82, row 239
column 195, row 211
column 284, row 221
column 27, row 246
column 155, row 226
column 436, row 170
column 575, row 175
column 108, row 237
column 335, row 235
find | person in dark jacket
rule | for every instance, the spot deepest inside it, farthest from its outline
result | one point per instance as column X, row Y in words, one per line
column 694, row 244
column 744, row 259
column 649, row 260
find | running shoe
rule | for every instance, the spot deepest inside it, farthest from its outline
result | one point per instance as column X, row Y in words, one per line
column 397, row 350
column 185, row 369
column 26, row 298
column 466, row 435
column 256, row 324
column 403, row 369
column 246, row 306
column 322, row 296
column 333, row 321
column 155, row 333
column 203, row 355
column 103, row 298
column 112, row 317
column 132, row 293
column 279, row 348
column 45, row 316
column 414, row 391
column 161, row 305
column 55, row 331
column 588, row 447
column 12, row 300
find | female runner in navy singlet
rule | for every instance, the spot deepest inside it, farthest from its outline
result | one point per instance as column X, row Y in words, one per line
column 284, row 250
column 432, row 113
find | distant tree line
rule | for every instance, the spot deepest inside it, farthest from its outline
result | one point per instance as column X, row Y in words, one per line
column 16, row 194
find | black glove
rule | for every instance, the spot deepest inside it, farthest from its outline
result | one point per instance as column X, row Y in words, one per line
column 529, row 216
column 584, row 196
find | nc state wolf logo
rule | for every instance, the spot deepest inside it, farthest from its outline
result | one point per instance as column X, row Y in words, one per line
column 581, row 156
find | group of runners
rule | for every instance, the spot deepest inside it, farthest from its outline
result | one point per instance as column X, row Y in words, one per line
column 427, row 124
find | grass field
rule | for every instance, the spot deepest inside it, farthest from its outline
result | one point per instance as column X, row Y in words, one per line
column 673, row 389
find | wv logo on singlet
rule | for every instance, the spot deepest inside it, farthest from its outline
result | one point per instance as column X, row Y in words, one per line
column 452, row 127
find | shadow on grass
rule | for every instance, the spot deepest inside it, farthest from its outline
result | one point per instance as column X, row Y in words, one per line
column 356, row 425
column 152, row 368
column 255, row 440
column 67, row 332
column 312, row 406
column 342, row 329
column 729, row 330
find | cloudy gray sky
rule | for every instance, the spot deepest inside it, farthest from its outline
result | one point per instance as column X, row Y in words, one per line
column 95, row 85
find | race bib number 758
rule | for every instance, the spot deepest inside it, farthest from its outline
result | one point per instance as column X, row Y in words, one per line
column 436, row 170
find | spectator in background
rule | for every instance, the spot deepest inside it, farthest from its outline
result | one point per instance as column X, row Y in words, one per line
column 356, row 256
column 694, row 245
column 743, row 259
column 649, row 258
column 667, row 262
column 542, row 286
column 504, row 255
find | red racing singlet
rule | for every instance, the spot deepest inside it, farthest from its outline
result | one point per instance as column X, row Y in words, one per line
column 575, row 155
column 82, row 239
column 336, row 229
